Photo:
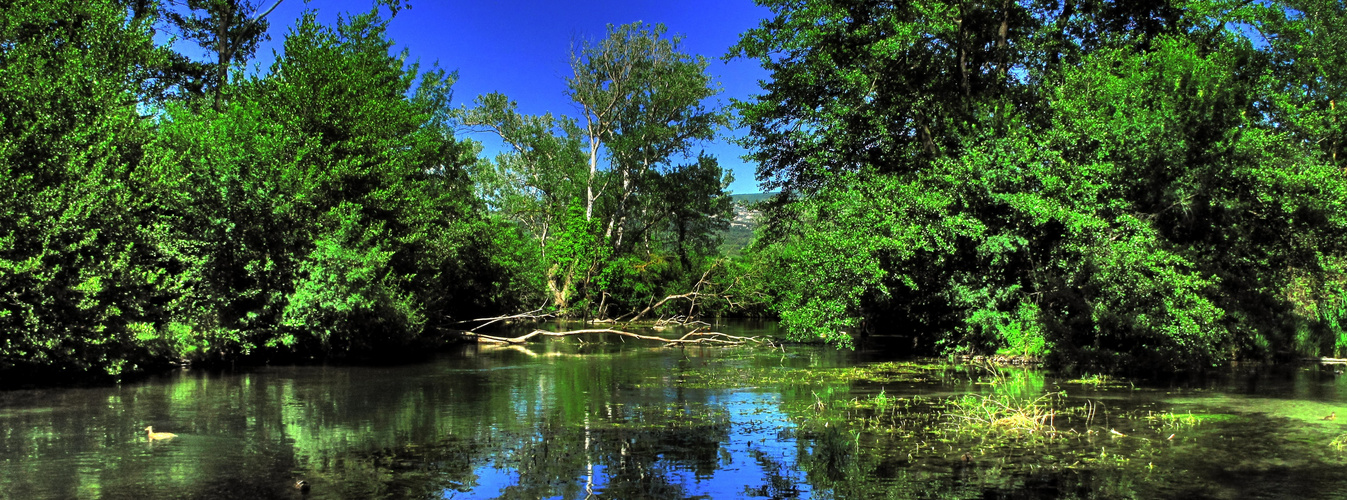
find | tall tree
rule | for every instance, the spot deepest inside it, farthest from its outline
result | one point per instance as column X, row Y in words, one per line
column 1090, row 179
column 540, row 176
column 643, row 100
column 230, row 30
column 80, row 282
column 330, row 203
column 645, row 107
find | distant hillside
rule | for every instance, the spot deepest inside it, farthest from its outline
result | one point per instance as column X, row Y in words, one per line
column 740, row 233
column 751, row 197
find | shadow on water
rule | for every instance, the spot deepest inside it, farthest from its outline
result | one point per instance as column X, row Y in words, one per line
column 562, row 418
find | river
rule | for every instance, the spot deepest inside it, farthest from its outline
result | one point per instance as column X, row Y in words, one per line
column 561, row 418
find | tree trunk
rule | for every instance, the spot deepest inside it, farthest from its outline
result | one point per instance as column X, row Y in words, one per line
column 593, row 171
column 223, row 51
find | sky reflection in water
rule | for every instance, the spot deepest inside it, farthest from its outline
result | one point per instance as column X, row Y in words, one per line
column 623, row 420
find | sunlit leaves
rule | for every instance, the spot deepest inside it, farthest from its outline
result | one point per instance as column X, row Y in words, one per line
column 1150, row 202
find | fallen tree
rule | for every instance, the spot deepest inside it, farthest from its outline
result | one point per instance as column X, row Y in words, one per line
column 534, row 315
column 693, row 337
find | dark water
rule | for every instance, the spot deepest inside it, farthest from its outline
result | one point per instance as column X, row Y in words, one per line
column 614, row 419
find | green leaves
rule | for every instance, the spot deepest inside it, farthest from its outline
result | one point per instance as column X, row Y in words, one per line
column 648, row 219
column 347, row 286
column 1149, row 204
column 334, row 201
column 73, row 254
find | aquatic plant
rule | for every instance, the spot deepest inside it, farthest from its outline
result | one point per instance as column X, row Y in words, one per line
column 882, row 401
column 1177, row 420
column 1339, row 443
column 821, row 401
column 1010, row 415
column 1097, row 381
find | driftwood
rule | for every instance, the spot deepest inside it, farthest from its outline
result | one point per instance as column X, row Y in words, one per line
column 680, row 321
column 695, row 337
column 531, row 315
column 691, row 296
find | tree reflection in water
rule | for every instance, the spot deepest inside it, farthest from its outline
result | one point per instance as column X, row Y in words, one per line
column 623, row 421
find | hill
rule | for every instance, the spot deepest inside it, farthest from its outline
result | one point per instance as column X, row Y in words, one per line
column 740, row 233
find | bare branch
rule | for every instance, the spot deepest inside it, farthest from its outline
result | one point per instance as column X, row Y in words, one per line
column 696, row 292
column 531, row 315
column 694, row 337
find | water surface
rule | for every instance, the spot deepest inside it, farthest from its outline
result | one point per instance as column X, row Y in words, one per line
column 608, row 418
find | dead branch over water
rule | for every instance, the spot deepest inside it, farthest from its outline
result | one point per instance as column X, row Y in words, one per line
column 698, row 336
column 694, row 337
column 534, row 315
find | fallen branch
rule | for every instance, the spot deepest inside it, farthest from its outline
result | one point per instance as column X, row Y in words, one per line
column 695, row 337
column 691, row 296
column 680, row 321
column 531, row 315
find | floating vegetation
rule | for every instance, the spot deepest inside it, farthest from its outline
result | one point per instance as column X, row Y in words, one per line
column 1006, row 415
column 749, row 375
column 1016, row 422
column 1175, row 420
column 1101, row 381
column 667, row 417
column 1339, row 443
column 882, row 402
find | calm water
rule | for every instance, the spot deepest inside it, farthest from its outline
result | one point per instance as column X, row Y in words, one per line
column 614, row 419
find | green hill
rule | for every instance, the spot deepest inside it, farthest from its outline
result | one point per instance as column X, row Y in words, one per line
column 740, row 233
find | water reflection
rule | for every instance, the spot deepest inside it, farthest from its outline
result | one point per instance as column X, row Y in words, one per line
column 615, row 419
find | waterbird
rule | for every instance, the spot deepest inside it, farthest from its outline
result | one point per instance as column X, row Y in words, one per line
column 159, row 435
column 302, row 485
column 1331, row 416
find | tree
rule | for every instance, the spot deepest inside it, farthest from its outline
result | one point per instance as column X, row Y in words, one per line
column 231, row 30
column 328, row 204
column 692, row 211
column 644, row 107
column 642, row 99
column 80, row 284
column 535, row 181
column 1116, row 184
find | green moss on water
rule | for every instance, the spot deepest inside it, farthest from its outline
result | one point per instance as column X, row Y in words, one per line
column 768, row 376
column 1097, row 381
column 1000, row 424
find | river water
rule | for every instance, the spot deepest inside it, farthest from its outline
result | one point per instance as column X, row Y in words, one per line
column 562, row 418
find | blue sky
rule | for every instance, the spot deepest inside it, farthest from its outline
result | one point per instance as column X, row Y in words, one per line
column 521, row 48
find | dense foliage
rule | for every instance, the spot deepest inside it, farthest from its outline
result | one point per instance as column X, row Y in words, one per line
column 1125, row 185
column 1119, row 185
column 648, row 223
column 322, row 208
column 162, row 207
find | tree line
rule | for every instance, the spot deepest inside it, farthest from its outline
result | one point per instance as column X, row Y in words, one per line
column 1129, row 186
column 1116, row 186
column 159, row 207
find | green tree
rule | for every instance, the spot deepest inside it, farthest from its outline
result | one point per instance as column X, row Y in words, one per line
column 647, row 220
column 534, row 184
column 642, row 100
column 80, row 284
column 1119, row 184
column 538, row 177
column 333, row 203
column 690, row 211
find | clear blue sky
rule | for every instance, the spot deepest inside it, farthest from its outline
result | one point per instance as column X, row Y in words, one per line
column 521, row 48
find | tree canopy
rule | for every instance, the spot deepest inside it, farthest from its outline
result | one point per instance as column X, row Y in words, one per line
column 1119, row 184
column 1113, row 185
